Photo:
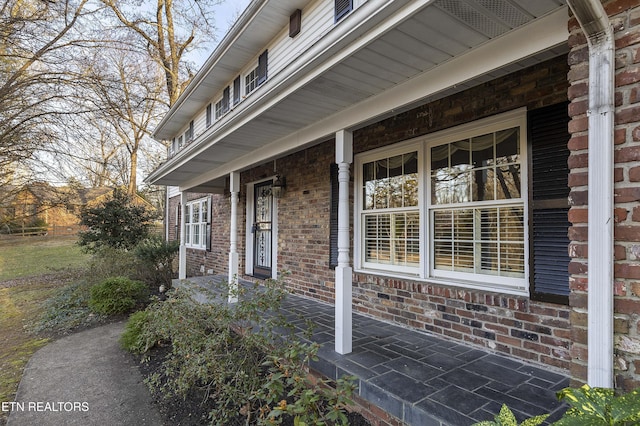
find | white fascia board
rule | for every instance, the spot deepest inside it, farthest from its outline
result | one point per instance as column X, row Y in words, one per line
column 301, row 71
column 527, row 41
column 223, row 47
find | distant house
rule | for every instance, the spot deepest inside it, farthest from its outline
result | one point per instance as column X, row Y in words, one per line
column 43, row 204
column 453, row 166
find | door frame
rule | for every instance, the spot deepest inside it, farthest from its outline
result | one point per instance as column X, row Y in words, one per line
column 249, row 246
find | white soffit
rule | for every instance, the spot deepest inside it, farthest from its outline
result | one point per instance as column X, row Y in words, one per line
column 412, row 62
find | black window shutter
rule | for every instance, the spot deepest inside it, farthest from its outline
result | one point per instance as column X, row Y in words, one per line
column 262, row 67
column 333, row 217
column 225, row 99
column 549, row 206
column 209, row 200
column 236, row 91
column 342, row 8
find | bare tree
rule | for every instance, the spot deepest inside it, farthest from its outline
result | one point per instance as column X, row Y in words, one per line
column 127, row 91
column 36, row 39
column 169, row 31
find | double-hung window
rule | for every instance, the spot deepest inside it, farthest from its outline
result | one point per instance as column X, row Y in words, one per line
column 448, row 206
column 390, row 215
column 258, row 75
column 196, row 220
column 476, row 208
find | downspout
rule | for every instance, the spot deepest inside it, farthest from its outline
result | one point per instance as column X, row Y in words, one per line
column 595, row 23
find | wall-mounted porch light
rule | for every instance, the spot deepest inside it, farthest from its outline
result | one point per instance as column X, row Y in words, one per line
column 278, row 186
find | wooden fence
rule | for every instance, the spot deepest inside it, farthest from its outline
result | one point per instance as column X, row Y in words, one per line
column 57, row 231
column 49, row 231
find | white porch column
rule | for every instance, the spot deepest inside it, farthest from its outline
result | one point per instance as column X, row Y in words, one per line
column 234, row 188
column 343, row 320
column 182, row 257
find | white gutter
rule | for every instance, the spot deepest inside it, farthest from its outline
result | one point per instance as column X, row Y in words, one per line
column 595, row 23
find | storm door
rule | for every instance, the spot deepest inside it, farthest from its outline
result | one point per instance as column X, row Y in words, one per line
column 262, row 229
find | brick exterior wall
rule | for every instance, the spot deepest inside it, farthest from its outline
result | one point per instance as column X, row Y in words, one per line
column 203, row 262
column 516, row 326
column 625, row 17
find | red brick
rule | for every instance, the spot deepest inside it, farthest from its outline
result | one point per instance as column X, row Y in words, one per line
column 629, row 233
column 627, row 154
column 627, row 115
column 619, row 252
column 579, row 124
column 577, row 215
column 578, row 55
column 627, row 270
column 630, row 75
column 634, row 96
column 626, row 195
column 620, row 214
column 578, row 284
column 634, row 174
column 635, row 216
column 626, row 306
column 577, row 108
column 578, row 72
column 577, row 161
column 635, row 289
column 631, row 37
column 578, row 233
column 577, row 90
column 578, row 251
column 577, row 143
column 578, row 179
column 619, row 288
column 619, row 136
column 635, row 134
column 619, row 6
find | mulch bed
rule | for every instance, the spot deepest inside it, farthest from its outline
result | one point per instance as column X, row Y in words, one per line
column 194, row 409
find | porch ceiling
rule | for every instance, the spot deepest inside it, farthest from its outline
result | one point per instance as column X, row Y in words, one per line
column 431, row 37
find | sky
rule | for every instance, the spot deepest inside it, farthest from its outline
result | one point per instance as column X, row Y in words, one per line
column 225, row 15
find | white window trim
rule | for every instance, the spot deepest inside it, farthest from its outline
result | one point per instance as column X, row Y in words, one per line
column 202, row 244
column 396, row 149
column 243, row 85
column 425, row 272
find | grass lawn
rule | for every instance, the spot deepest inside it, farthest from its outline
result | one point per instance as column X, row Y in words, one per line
column 31, row 256
column 31, row 269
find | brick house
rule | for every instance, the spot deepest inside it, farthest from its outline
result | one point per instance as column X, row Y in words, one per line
column 55, row 206
column 426, row 163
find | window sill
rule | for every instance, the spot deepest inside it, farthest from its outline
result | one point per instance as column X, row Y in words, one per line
column 462, row 284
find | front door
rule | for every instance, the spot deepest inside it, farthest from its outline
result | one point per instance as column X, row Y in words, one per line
column 262, row 229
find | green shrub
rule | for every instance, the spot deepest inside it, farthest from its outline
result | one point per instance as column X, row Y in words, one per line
column 117, row 223
column 155, row 260
column 506, row 418
column 116, row 295
column 587, row 406
column 133, row 338
column 599, row 406
column 244, row 356
column 67, row 309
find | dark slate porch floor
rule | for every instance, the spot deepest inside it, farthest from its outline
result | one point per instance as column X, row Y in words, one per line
column 423, row 379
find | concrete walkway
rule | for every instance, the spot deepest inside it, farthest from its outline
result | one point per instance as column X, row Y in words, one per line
column 83, row 379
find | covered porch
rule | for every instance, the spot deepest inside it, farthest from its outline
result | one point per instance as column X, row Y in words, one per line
column 416, row 377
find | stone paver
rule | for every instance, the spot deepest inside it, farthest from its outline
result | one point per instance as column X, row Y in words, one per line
column 424, row 379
